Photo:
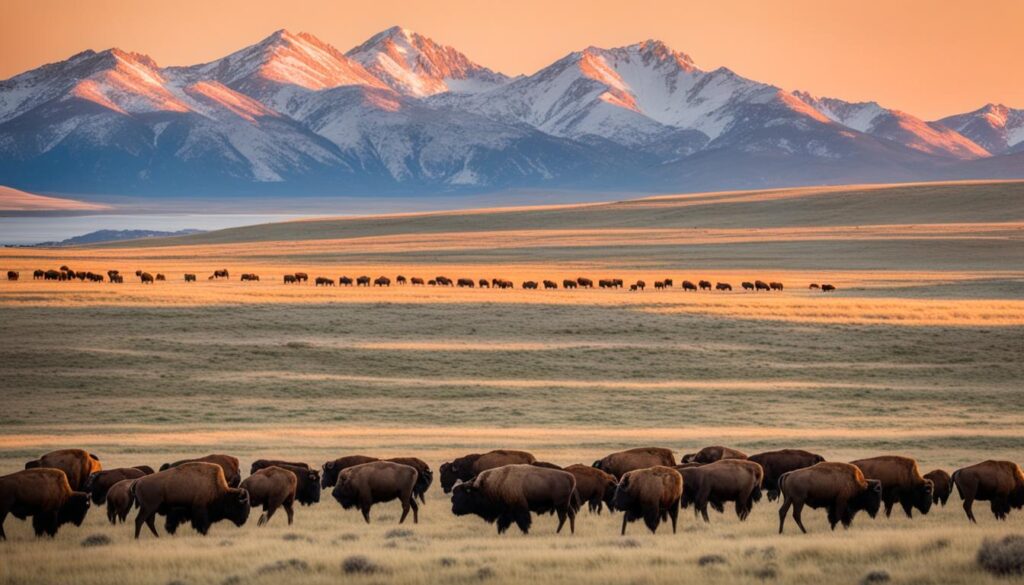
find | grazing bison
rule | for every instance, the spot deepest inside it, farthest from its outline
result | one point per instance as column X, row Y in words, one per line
column 76, row 464
column 194, row 491
column 272, row 487
column 117, row 279
column 776, row 463
column 345, row 281
column 443, row 281
column 290, row 279
column 417, row 281
column 484, row 283
column 943, row 485
column 585, row 282
column 748, row 286
column 501, row 283
column 723, row 286
column 775, row 286
column 508, row 494
column 226, row 462
column 251, row 277
column 162, row 277
column 221, row 273
column 712, row 454
column 727, row 480
column 188, row 278
column 689, row 286
column 382, row 281
column 828, row 288
column 619, row 463
column 998, row 482
column 530, row 285
column 364, row 485
column 653, row 493
column 307, row 490
column 705, row 285
column 465, row 283
column 323, row 281
column 400, row 280
column 550, row 284
column 38, row 274
column 301, row 277
column 640, row 285
column 119, row 501
column 814, row 286
column 12, row 275
column 363, row 281
column 569, row 283
column 595, row 487
column 333, row 468
column 840, row 488
column 99, row 483
column 467, row 467
column 146, row 278
column 424, row 478
column 43, row 494
column 901, row 482
column 761, row 285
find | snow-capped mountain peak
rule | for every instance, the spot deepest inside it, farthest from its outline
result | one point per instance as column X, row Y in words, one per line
column 415, row 65
column 997, row 127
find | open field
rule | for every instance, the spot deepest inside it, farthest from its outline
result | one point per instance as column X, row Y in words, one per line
column 919, row 352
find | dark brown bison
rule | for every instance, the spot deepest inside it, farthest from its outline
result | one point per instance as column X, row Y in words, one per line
column 323, row 281
column 99, row 482
column 566, row 283
column 363, row 281
column 550, row 285
column 814, row 286
column 530, row 285
column 776, row 286
column 712, row 454
column 943, row 485
column 145, row 469
column 775, row 463
column 117, row 279
column 307, row 489
column 828, row 288
column 761, row 285
column 465, row 283
column 618, row 464
column 38, row 274
column 714, row 484
column 12, row 275
column 228, row 463
column 119, row 501
column 400, row 280
column 190, row 278
column 901, row 482
column 162, row 277
column 840, row 488
column 364, row 485
column 585, row 282
column 508, row 494
column 484, row 283
column 659, row 285
column 723, row 286
column 653, row 493
column 272, row 487
column 501, row 283
column 467, row 467
column 748, row 286
column 382, row 281
column 146, row 278
column 77, row 464
column 595, row 487
column 705, row 285
column 640, row 285
column 247, row 277
column 301, row 277
column 999, row 482
column 344, row 281
column 265, row 463
column 221, row 273
column 290, row 279
column 333, row 468
column 417, row 281
column 189, row 491
column 43, row 494
column 424, row 478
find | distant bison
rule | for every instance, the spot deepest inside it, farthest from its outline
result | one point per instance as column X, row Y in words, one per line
column 12, row 275
column 508, row 494
column 501, row 283
column 226, row 462
column 364, row 485
column 622, row 462
column 307, row 490
column 689, row 286
column 550, row 284
column 761, row 285
column 193, row 491
column 595, row 487
column 345, row 281
column 272, row 487
column 569, row 283
column 382, row 281
column 999, row 482
column 400, row 280
column 723, row 286
column 76, row 464
column 221, row 273
column 45, row 495
column 585, row 282
column 417, row 281
column 530, row 285
column 827, row 288
column 100, row 482
column 465, row 283
column 901, row 482
column 323, row 281
column 775, row 286
column 776, row 463
column 712, row 454
column 119, row 501
column 188, row 278
column 840, row 488
column 290, row 279
column 943, row 483
column 249, row 277
column 467, row 467
column 161, row 277
column 301, row 277
column 652, row 493
column 814, row 286
column 705, row 285
column 146, row 278
column 363, row 281
column 748, row 286
column 726, row 480
column 484, row 283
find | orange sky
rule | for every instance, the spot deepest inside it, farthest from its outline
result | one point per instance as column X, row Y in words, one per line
column 930, row 58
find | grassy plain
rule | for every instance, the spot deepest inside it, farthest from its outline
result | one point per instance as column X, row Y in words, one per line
column 920, row 352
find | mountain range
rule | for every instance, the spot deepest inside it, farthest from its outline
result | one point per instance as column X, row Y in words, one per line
column 401, row 113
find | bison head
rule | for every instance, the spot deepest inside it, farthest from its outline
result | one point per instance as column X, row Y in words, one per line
column 235, row 506
column 449, row 475
column 609, row 495
column 346, row 494
column 622, row 499
column 689, row 458
column 309, row 490
column 330, row 476
column 32, row 464
column 923, row 496
column 90, row 483
column 469, row 499
column 74, row 509
column 165, row 467
column 869, row 500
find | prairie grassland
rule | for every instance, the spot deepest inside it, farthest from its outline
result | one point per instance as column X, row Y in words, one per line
column 920, row 352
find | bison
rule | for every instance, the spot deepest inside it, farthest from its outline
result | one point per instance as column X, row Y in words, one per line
column 424, row 478
column 416, row 281
column 465, row 283
column 290, row 279
column 508, row 494
column 272, row 487
column 188, row 278
column 748, row 286
column 467, row 467
column 840, row 488
column 323, row 281
column 723, row 286
column 530, row 285
column 775, row 463
column 712, row 454
column 345, row 281
column 595, row 487
column 761, row 285
column 653, row 493
column 705, row 285
column 307, row 490
column 247, row 277
column 99, row 483
column 228, row 463
column 119, row 501
column 550, row 285
column 12, row 275
column 901, row 482
column 76, row 464
column 333, row 468
column 585, row 282
column 999, row 482
column 363, row 281
column 727, row 480
column 828, row 288
column 146, row 278
column 776, row 286
column 400, row 280
column 618, row 464
column 195, row 491
column 484, row 283
column 569, row 283
column 44, row 494
column 161, row 277
column 364, row 485
column 814, row 286
column 265, row 463
column 943, row 485
column 382, row 281
column 689, row 286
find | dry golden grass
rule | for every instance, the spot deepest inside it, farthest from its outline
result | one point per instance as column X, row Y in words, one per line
column 921, row 352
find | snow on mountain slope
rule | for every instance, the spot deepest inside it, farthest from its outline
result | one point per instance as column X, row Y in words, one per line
column 415, row 65
column 900, row 127
column 996, row 127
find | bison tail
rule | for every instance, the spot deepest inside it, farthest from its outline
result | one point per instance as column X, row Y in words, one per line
column 133, row 501
column 959, row 490
column 574, row 501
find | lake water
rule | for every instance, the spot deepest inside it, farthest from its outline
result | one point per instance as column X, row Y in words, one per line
column 36, row 229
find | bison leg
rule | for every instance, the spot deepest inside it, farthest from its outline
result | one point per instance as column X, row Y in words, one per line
column 145, row 516
column 3, row 516
column 572, row 520
column 111, row 514
column 625, row 520
column 45, row 523
column 652, row 517
column 415, row 510
column 504, row 522
column 968, row 508
column 798, row 509
column 561, row 519
column 289, row 508
column 1000, row 507
column 783, row 511
column 200, row 520
column 673, row 513
column 908, row 505
column 523, row 520
column 773, row 494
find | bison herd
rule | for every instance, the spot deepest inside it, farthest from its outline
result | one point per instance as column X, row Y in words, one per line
column 581, row 282
column 502, row 487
